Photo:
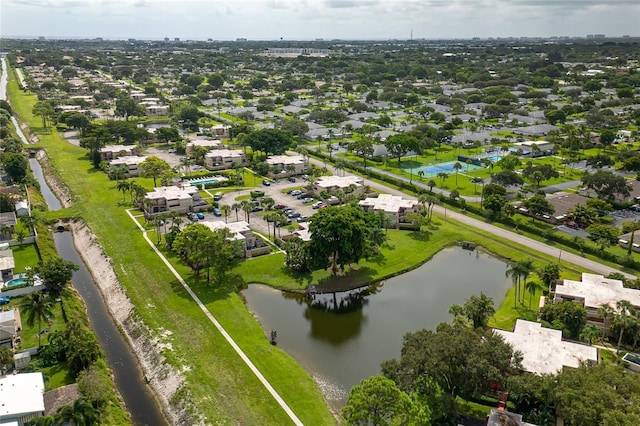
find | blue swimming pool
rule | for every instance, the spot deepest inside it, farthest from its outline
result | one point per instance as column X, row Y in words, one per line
column 16, row 282
column 203, row 182
column 434, row 169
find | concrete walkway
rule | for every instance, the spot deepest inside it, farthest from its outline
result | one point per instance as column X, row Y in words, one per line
column 581, row 262
column 222, row 331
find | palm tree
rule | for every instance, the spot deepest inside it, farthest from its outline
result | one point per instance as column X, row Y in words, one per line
column 81, row 413
column 37, row 307
column 475, row 181
column 226, row 211
column 526, row 269
column 457, row 168
column 531, row 288
column 513, row 271
column 236, row 207
column 589, row 333
column 605, row 312
column 124, row 186
column 431, row 184
column 624, row 319
column 246, row 207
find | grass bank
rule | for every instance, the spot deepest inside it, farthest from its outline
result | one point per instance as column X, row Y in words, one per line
column 218, row 382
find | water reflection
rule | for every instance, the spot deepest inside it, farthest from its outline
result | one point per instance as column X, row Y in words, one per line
column 343, row 337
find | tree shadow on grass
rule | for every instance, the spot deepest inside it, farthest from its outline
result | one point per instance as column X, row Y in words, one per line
column 354, row 278
column 302, row 278
column 423, row 236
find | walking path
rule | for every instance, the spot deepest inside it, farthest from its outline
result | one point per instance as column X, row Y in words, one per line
column 577, row 260
column 222, row 331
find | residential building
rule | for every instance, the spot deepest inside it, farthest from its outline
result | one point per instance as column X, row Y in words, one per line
column 7, row 263
column 208, row 144
column 533, row 148
column 394, row 206
column 594, row 291
column 224, row 158
column 221, row 130
column 173, row 198
column 543, row 350
column 240, row 231
column 157, row 110
column 282, row 162
column 7, row 225
column 562, row 202
column 111, row 152
column 333, row 183
column 131, row 162
column 22, row 397
column 10, row 325
column 22, row 208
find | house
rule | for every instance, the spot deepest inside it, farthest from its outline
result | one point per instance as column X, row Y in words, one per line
column 10, row 325
column 535, row 130
column 22, row 208
column 533, row 148
column 208, row 144
column 157, row 110
column 224, row 158
column 500, row 417
column 130, row 162
column 282, row 162
column 394, row 206
column 7, row 263
column 111, row 152
column 221, row 130
column 22, row 397
column 594, row 291
column 333, row 183
column 7, row 225
column 240, row 231
column 59, row 397
column 543, row 350
column 173, row 198
column 562, row 202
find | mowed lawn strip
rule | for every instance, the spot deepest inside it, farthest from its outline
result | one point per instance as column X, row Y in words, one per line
column 220, row 385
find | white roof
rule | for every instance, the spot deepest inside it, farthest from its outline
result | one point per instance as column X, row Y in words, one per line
column 543, row 350
column 21, row 394
column 303, row 232
column 172, row 192
column 596, row 290
column 285, row 159
column 127, row 160
column 225, row 153
column 117, row 148
column 237, row 229
column 6, row 260
column 338, row 181
column 205, row 143
column 388, row 203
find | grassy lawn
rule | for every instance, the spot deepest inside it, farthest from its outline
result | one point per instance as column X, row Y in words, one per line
column 219, row 383
column 25, row 255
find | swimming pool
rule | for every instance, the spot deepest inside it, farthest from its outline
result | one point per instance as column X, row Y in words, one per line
column 203, row 182
column 434, row 169
column 16, row 282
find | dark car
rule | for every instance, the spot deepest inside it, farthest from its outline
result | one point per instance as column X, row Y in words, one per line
column 201, row 215
column 217, row 212
column 293, row 215
column 279, row 207
column 291, row 179
column 4, row 300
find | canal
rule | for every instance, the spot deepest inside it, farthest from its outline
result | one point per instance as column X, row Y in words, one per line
column 343, row 338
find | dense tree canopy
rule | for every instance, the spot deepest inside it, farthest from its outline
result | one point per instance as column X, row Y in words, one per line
column 606, row 184
column 269, row 141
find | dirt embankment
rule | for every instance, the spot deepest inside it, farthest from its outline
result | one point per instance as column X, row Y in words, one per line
column 163, row 378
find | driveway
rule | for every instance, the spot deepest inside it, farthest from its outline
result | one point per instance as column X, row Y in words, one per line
column 163, row 153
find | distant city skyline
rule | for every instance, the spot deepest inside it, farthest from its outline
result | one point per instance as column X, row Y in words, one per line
column 317, row 19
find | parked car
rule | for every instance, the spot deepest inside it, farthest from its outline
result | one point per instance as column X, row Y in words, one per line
column 217, row 212
column 305, row 177
column 302, row 219
column 217, row 196
column 4, row 300
column 291, row 179
column 192, row 217
column 317, row 204
column 293, row 215
column 257, row 208
column 279, row 207
column 308, row 200
column 171, row 151
column 200, row 215
column 295, row 193
column 265, row 182
column 197, row 167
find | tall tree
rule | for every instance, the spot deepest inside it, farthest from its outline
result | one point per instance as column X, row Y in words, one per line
column 154, row 167
column 45, row 111
column 37, row 307
column 401, row 144
column 378, row 401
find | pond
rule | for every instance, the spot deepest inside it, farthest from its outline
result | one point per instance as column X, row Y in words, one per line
column 342, row 338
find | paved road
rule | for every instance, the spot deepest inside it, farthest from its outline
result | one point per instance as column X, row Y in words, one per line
column 577, row 260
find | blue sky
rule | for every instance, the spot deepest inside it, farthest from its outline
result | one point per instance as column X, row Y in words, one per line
column 310, row 19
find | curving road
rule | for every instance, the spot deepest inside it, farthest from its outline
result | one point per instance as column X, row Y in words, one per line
column 581, row 262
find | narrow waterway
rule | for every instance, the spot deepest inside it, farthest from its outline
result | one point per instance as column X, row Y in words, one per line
column 52, row 201
column 342, row 338
column 3, row 96
column 136, row 393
